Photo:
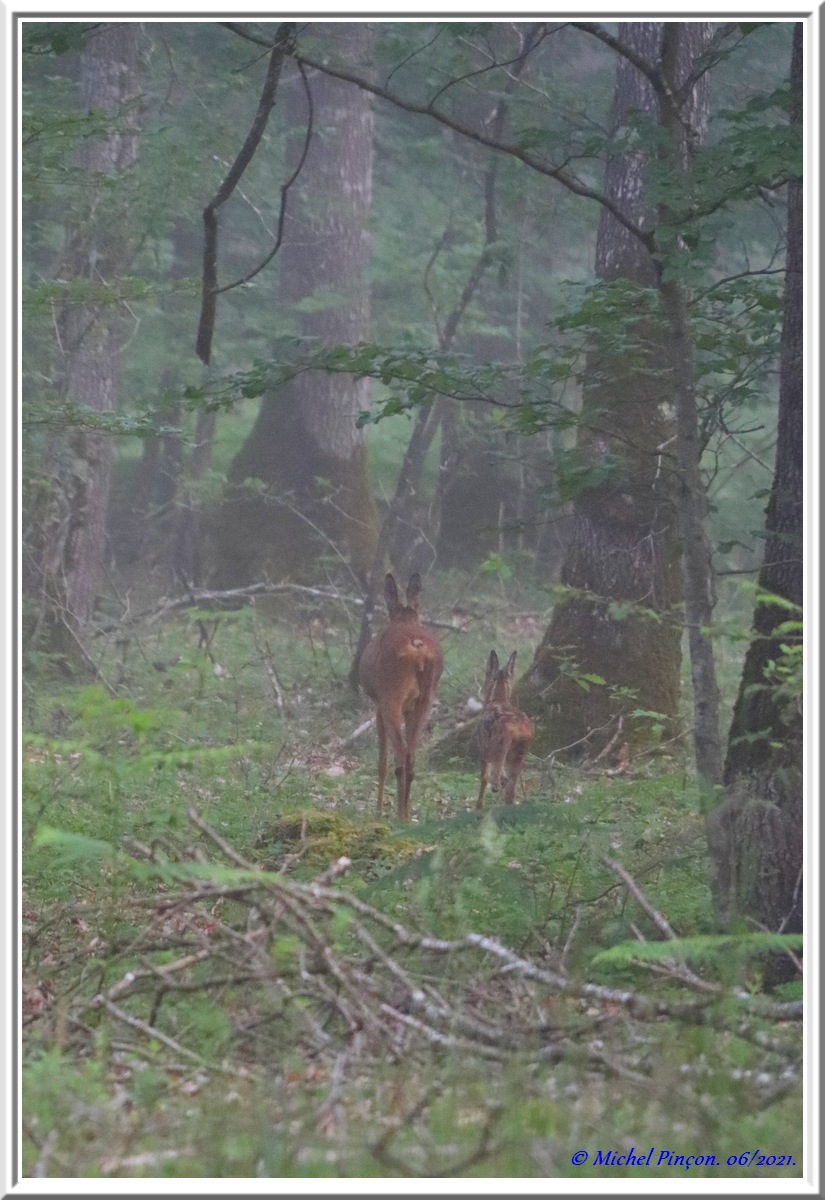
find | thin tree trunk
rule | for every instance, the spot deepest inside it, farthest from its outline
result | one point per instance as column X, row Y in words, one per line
column 698, row 576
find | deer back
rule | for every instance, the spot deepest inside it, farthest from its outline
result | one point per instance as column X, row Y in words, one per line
column 499, row 718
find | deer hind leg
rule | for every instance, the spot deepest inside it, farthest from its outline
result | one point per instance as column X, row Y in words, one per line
column 498, row 757
column 382, row 760
column 514, row 764
column 392, row 722
column 409, row 775
column 414, row 723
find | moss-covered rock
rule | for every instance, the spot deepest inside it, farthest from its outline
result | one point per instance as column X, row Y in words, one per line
column 322, row 837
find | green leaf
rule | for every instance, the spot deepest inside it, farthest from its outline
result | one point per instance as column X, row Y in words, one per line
column 72, row 847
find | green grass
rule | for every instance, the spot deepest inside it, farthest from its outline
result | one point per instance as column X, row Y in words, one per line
column 119, row 772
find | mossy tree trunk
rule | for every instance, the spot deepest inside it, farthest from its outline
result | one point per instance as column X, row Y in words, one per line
column 69, row 521
column 756, row 833
column 305, row 447
column 620, row 620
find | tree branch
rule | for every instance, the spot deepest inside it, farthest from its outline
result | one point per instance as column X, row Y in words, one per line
column 500, row 147
column 282, row 211
column 234, row 27
column 652, row 75
column 282, row 45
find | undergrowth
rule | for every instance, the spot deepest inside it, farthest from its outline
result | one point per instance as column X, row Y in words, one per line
column 157, row 1043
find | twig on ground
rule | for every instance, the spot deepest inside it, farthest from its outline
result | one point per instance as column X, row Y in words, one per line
column 230, row 852
column 573, row 929
column 150, row 1158
column 632, row 886
column 324, row 968
column 604, row 752
column 40, row 1170
column 146, row 1029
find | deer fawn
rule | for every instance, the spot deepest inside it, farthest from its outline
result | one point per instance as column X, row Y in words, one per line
column 400, row 669
column 504, row 733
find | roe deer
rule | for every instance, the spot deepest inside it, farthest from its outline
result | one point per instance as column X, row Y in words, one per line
column 504, row 733
column 400, row 669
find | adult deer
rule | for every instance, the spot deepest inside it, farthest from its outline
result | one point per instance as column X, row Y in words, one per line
column 400, row 669
column 504, row 733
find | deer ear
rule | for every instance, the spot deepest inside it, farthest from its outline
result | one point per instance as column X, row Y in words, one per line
column 390, row 593
column 413, row 589
column 509, row 670
column 492, row 662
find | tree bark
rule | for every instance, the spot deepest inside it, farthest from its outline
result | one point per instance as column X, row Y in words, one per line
column 305, row 445
column 755, row 835
column 92, row 336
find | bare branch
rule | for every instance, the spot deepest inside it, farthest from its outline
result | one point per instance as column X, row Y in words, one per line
column 198, row 596
column 284, row 190
column 712, row 55
column 280, row 48
column 534, row 38
column 233, row 27
column 501, row 147
column 651, row 74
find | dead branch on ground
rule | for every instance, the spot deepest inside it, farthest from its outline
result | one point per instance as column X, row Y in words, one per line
column 321, row 968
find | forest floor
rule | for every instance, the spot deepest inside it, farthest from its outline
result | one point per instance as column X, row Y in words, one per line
column 233, row 968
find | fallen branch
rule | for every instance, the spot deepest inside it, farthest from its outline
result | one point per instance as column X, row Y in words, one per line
column 151, row 1158
column 205, row 596
column 329, row 975
column 146, row 1029
column 342, row 743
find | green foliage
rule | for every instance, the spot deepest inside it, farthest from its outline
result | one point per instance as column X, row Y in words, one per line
column 714, row 950
column 50, row 38
column 61, row 414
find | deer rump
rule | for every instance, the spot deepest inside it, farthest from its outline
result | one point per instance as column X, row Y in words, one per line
column 501, row 724
column 411, row 668
column 399, row 670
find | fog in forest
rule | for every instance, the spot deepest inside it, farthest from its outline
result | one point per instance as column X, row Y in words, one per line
column 411, row 586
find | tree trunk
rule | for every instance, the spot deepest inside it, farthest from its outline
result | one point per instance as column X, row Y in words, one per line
column 158, row 476
column 305, row 445
column 755, row 835
column 620, row 621
column 679, row 49
column 92, row 337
